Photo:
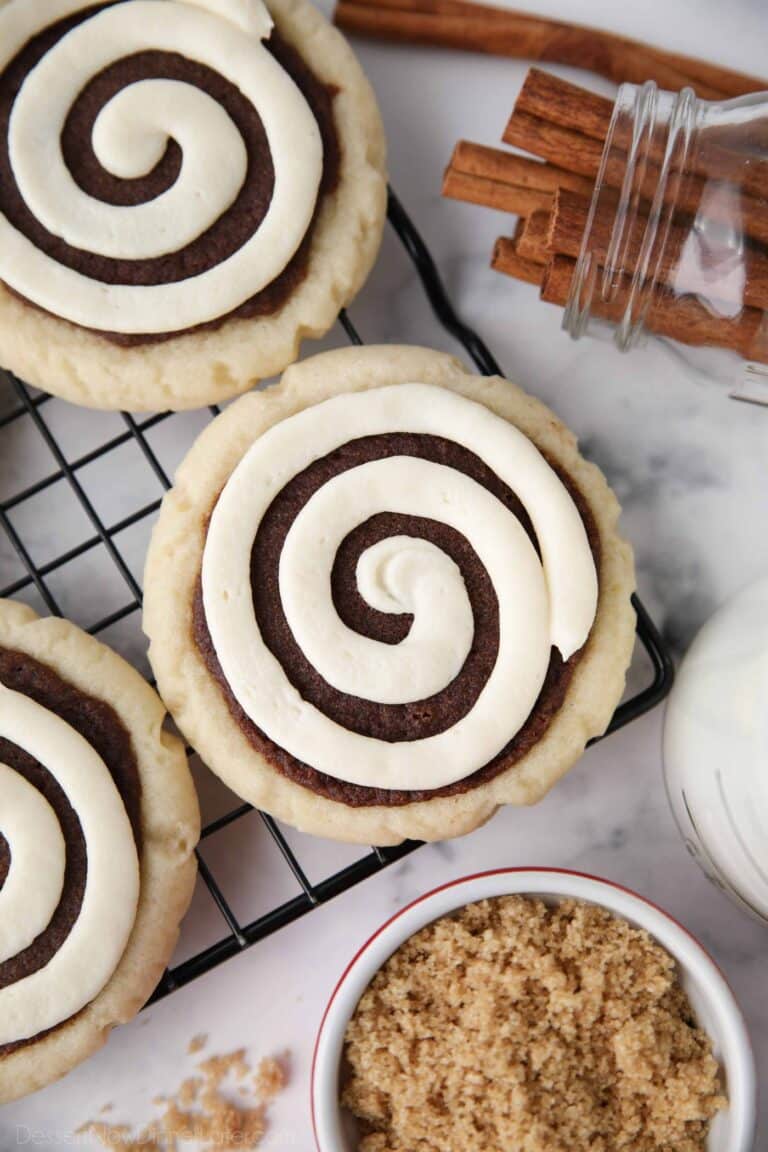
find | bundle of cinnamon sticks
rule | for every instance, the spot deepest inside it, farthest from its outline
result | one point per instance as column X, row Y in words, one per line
column 563, row 128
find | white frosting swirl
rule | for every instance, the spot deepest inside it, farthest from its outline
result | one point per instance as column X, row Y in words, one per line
column 541, row 602
column 89, row 955
column 35, row 879
column 399, row 574
column 130, row 136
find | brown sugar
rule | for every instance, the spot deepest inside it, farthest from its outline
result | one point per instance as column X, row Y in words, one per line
column 197, row 1043
column 189, row 1090
column 511, row 1024
column 220, row 1126
column 271, row 1077
column 216, row 1068
column 201, row 1111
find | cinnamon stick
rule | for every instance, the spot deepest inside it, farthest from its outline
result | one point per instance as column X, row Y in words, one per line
column 509, row 168
column 695, row 272
column 582, row 153
column 684, row 320
column 506, row 259
column 493, row 193
column 532, row 237
column 503, row 32
column 561, row 102
column 504, row 181
column 575, row 108
column 557, row 144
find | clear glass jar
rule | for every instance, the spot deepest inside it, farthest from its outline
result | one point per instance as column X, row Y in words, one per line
column 676, row 238
column 716, row 749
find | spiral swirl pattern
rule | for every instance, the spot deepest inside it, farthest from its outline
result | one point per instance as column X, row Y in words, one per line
column 383, row 581
column 183, row 132
column 69, row 870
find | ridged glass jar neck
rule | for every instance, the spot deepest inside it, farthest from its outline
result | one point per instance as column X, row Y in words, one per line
column 623, row 261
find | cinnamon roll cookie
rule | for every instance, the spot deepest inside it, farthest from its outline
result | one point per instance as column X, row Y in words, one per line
column 98, row 822
column 187, row 189
column 387, row 596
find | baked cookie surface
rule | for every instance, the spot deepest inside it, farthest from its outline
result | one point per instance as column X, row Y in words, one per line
column 98, row 823
column 387, row 596
column 187, row 190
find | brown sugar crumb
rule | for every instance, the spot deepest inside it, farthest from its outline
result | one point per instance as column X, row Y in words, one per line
column 217, row 1068
column 201, row 1111
column 197, row 1043
column 271, row 1077
column 512, row 1024
column 189, row 1091
column 219, row 1127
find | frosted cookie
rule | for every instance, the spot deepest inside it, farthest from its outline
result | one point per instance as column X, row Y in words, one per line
column 187, row 189
column 387, row 596
column 98, row 822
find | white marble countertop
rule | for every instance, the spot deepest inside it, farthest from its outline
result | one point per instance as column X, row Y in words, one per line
column 691, row 470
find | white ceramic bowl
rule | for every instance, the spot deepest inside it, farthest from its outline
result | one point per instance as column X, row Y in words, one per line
column 713, row 1002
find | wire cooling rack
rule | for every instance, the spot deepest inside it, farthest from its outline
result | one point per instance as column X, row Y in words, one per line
column 107, row 553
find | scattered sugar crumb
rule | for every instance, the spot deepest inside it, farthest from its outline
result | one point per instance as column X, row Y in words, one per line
column 271, row 1077
column 106, row 1108
column 197, row 1043
column 479, row 1028
column 189, row 1091
column 216, row 1068
column 200, row 1110
column 221, row 1125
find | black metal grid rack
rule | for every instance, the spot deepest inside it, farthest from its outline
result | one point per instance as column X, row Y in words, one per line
column 40, row 576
